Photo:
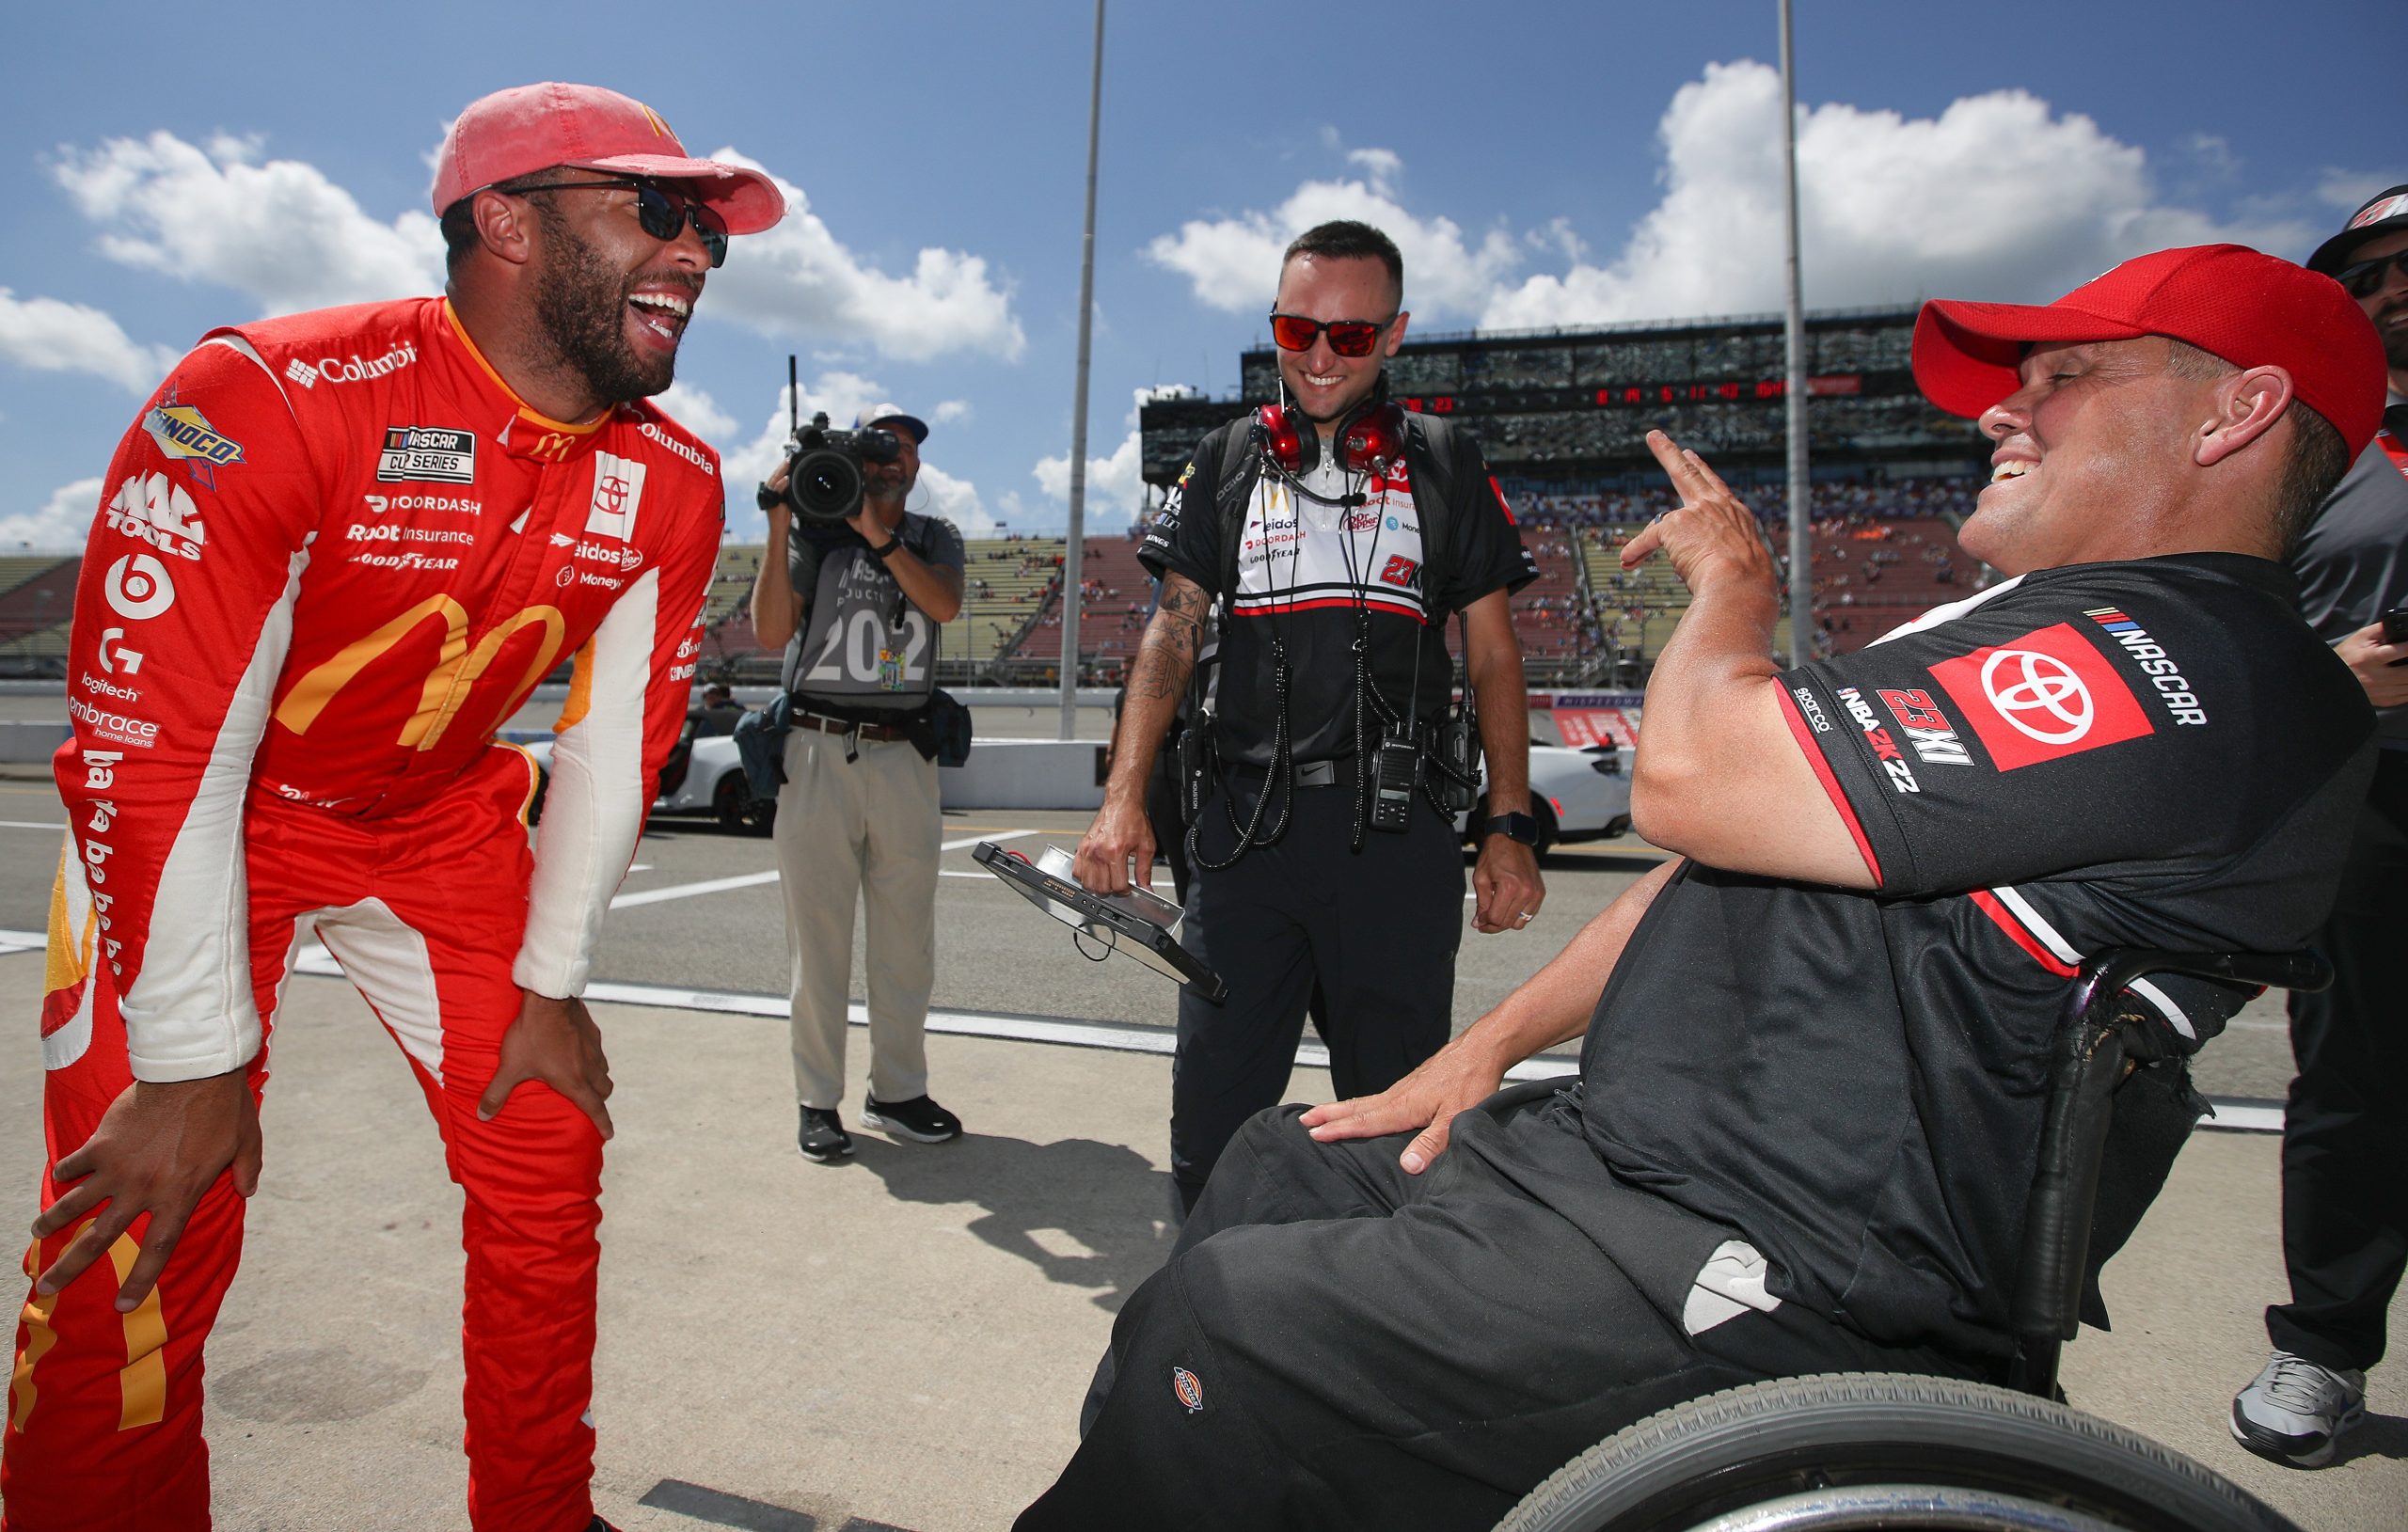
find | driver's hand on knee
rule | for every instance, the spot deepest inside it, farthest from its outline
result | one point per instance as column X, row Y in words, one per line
column 1423, row 1103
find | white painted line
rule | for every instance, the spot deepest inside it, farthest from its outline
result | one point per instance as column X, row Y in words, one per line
column 2244, row 1116
column 27, row 824
column 2231, row 1115
column 1006, row 835
column 721, row 885
column 688, row 890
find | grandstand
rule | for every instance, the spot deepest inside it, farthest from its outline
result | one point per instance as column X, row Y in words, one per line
column 1562, row 416
column 37, row 599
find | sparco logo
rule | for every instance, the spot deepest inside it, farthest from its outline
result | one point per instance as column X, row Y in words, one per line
column 350, row 369
column 2039, row 694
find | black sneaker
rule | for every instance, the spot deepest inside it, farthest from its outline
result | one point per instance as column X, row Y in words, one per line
column 822, row 1135
column 919, row 1119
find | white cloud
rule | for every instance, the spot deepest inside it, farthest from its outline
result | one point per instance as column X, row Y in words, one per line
column 60, row 527
column 841, row 394
column 53, row 337
column 950, row 410
column 1233, row 263
column 2350, row 190
column 1998, row 196
column 798, row 279
column 1115, row 488
column 697, row 411
column 277, row 229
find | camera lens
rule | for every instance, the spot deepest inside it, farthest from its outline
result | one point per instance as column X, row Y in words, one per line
column 824, row 486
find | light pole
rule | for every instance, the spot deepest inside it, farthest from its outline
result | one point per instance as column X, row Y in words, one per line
column 1071, row 555
column 1801, row 554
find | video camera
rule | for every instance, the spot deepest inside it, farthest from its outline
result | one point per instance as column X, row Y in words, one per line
column 824, row 478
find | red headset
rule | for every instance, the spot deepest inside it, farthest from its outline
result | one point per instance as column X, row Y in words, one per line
column 1373, row 434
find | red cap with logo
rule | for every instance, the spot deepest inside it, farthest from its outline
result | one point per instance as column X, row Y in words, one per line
column 525, row 129
column 2248, row 307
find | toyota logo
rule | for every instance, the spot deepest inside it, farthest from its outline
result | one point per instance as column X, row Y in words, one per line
column 2043, row 698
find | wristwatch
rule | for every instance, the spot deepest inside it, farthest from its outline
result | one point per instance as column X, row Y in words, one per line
column 887, row 552
column 1513, row 827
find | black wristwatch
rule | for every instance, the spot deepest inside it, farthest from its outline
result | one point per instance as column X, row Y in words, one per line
column 886, row 552
column 1513, row 827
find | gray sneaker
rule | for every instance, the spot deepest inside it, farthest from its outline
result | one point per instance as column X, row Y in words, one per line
column 2296, row 1409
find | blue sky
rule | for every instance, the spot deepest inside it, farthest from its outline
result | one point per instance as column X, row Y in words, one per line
column 1545, row 164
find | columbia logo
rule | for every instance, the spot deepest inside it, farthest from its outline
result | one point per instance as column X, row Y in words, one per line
column 302, row 373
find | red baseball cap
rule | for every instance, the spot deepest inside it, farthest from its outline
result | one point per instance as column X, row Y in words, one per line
column 525, row 129
column 2246, row 306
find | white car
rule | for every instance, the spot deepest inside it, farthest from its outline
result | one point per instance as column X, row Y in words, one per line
column 1581, row 795
column 701, row 776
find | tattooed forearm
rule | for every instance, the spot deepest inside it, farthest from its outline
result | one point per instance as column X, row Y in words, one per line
column 1167, row 655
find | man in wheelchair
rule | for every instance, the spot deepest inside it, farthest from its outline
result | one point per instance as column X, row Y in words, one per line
column 1815, row 1064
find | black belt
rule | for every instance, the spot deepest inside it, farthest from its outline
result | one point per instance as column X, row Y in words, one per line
column 826, row 725
column 1309, row 773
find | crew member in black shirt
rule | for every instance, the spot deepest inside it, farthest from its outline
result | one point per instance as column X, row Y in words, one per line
column 1336, row 570
column 1812, row 1083
column 2345, row 1128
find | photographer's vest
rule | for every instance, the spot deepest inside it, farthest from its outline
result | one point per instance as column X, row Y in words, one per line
column 862, row 647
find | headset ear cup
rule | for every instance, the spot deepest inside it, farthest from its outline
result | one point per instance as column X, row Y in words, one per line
column 1308, row 438
column 1274, row 427
column 1372, row 438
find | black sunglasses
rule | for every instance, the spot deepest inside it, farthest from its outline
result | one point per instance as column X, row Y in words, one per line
column 2363, row 279
column 1347, row 337
column 662, row 217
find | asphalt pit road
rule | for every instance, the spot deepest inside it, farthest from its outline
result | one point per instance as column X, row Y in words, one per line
column 311, row 1386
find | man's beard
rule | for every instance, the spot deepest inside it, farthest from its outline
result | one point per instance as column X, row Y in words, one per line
column 2394, row 339
column 582, row 304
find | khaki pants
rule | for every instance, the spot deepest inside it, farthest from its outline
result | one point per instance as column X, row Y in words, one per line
column 867, row 828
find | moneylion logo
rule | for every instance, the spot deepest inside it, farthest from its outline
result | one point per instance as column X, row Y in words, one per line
column 2044, row 699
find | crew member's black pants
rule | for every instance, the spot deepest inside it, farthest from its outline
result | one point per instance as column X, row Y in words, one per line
column 1376, row 930
column 2345, row 1132
column 1336, row 1344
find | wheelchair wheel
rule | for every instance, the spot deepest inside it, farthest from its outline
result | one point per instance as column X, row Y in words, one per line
column 1891, row 1450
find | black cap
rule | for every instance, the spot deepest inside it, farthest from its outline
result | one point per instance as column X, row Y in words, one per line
column 2385, row 210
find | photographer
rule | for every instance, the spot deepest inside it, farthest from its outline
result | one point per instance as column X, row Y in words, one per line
column 855, row 602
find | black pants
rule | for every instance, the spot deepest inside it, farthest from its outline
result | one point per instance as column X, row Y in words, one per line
column 1335, row 1344
column 1375, row 931
column 2345, row 1135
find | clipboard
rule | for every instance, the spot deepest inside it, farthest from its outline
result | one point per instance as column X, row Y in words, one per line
column 1138, row 923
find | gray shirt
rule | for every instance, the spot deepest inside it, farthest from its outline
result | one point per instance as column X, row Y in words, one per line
column 2353, row 563
column 860, row 645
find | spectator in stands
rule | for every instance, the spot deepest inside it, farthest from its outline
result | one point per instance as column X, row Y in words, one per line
column 2345, row 1130
column 1805, row 1129
column 857, row 819
column 1331, row 652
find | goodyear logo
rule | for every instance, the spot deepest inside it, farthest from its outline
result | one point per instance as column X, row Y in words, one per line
column 183, row 431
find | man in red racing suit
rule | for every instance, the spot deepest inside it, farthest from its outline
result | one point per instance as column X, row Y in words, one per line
column 337, row 551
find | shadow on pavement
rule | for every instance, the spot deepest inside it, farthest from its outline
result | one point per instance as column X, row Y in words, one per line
column 2376, row 1436
column 1084, row 1213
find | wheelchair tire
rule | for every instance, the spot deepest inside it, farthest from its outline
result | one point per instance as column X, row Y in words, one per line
column 1762, row 1442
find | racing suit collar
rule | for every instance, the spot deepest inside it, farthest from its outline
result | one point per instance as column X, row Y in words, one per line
column 529, row 433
